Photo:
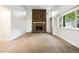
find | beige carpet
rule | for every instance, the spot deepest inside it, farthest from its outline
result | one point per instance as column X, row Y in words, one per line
column 38, row 42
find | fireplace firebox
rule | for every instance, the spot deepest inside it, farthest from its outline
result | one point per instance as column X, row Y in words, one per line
column 39, row 28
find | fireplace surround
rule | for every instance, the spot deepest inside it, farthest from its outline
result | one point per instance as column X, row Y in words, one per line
column 39, row 20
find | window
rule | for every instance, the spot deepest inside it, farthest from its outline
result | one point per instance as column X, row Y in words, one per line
column 69, row 20
column 77, row 19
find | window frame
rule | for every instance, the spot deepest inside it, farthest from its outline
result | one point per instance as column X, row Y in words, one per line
column 70, row 21
column 61, row 22
column 75, row 10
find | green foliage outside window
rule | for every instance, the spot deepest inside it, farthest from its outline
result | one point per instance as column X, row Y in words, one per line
column 70, row 16
column 70, row 20
column 77, row 14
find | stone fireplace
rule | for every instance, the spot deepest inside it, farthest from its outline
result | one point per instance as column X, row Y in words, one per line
column 38, row 20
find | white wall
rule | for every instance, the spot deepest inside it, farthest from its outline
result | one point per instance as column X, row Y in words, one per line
column 18, row 22
column 29, row 20
column 21, row 23
column 48, row 16
column 54, row 25
column 70, row 35
column 5, row 23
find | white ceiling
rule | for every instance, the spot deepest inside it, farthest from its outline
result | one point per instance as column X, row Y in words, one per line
column 57, row 9
column 62, row 8
column 38, row 6
column 14, row 7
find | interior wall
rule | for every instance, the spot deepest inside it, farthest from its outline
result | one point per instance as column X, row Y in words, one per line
column 48, row 16
column 69, row 35
column 29, row 20
column 18, row 22
column 54, row 25
column 5, row 23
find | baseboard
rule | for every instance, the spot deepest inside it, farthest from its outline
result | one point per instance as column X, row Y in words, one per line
column 21, row 35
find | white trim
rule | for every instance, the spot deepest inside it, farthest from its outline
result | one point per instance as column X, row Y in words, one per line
column 69, row 28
